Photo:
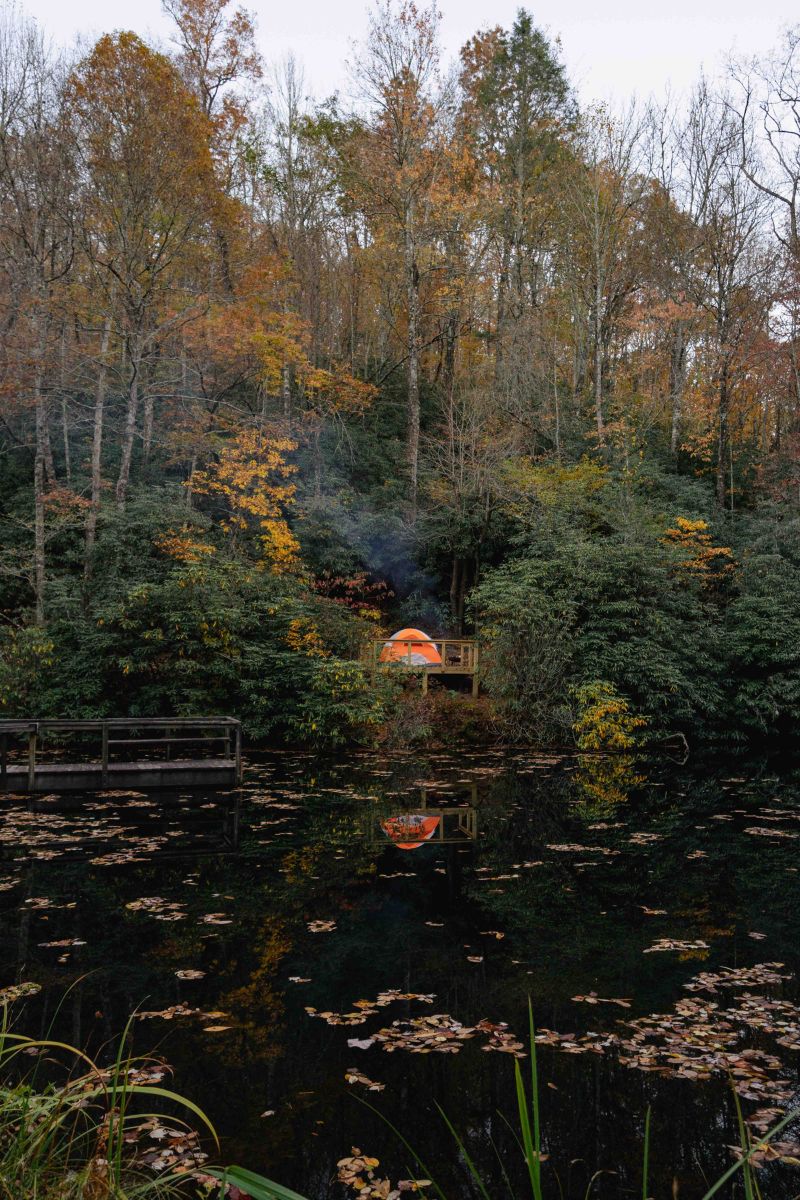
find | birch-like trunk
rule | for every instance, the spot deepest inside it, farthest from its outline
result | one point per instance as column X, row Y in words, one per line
column 598, row 358
column 412, row 293
column 677, row 379
column 97, row 451
column 723, row 435
column 129, row 433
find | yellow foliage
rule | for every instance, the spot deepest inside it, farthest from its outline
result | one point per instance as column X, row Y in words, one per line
column 303, row 636
column 182, row 546
column 606, row 782
column 553, row 485
column 254, row 478
column 703, row 560
column 604, row 720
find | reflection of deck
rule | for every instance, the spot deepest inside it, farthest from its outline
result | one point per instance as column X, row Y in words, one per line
column 456, row 825
column 120, row 754
column 459, row 657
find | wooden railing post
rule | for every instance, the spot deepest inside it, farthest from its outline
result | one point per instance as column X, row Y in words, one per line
column 32, row 760
column 238, row 753
column 104, row 755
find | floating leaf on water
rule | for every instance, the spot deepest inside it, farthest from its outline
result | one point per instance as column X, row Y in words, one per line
column 353, row 1075
column 675, row 944
column 18, row 991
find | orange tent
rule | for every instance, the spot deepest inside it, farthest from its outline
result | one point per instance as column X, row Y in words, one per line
column 418, row 826
column 412, row 647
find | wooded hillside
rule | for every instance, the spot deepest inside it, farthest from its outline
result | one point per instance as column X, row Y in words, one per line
column 448, row 350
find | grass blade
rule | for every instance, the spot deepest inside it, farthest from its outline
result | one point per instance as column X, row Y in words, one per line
column 473, row 1170
column 257, row 1186
column 425, row 1172
column 537, row 1128
column 646, row 1153
column 740, row 1163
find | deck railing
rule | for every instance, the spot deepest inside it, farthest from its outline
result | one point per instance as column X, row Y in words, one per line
column 458, row 655
column 114, row 742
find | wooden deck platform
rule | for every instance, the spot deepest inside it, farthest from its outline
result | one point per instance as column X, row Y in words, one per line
column 459, row 656
column 119, row 754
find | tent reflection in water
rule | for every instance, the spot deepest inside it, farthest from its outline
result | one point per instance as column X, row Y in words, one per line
column 411, row 830
column 411, row 647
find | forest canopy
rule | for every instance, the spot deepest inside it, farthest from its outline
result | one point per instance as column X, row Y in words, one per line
column 278, row 377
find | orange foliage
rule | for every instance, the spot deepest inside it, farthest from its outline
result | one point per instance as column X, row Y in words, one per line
column 703, row 561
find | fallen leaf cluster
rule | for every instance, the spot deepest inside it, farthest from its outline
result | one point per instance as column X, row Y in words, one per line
column 358, row 1173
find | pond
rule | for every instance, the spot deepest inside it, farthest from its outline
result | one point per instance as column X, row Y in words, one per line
column 340, row 937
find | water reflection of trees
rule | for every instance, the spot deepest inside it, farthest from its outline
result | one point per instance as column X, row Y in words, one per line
column 568, row 928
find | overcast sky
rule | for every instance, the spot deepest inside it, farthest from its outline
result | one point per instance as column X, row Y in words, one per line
column 612, row 47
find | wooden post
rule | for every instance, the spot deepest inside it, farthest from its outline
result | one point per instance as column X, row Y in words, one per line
column 104, row 756
column 424, row 681
column 238, row 753
column 32, row 760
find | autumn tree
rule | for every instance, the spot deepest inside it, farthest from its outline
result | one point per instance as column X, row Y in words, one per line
column 143, row 144
column 393, row 170
column 37, row 230
column 731, row 276
column 518, row 111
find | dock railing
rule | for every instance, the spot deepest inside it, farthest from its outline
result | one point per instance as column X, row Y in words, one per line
column 106, row 744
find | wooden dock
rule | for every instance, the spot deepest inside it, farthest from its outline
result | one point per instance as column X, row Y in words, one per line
column 459, row 656
column 120, row 754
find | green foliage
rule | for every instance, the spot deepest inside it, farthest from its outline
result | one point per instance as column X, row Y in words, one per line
column 606, row 610
column 763, row 643
column 26, row 656
column 166, row 637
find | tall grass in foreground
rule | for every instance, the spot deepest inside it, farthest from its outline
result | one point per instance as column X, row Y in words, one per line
column 74, row 1136
column 529, row 1141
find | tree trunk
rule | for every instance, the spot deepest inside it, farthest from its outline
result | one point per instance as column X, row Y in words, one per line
column 97, row 450
column 677, row 378
column 455, row 576
column 317, row 463
column 38, row 504
column 723, row 435
column 64, row 411
column 598, row 358
column 41, row 451
column 130, row 423
column 502, row 302
column 286, row 394
column 412, row 293
column 556, row 407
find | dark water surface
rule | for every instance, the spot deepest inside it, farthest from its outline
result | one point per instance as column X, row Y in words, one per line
column 546, row 877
